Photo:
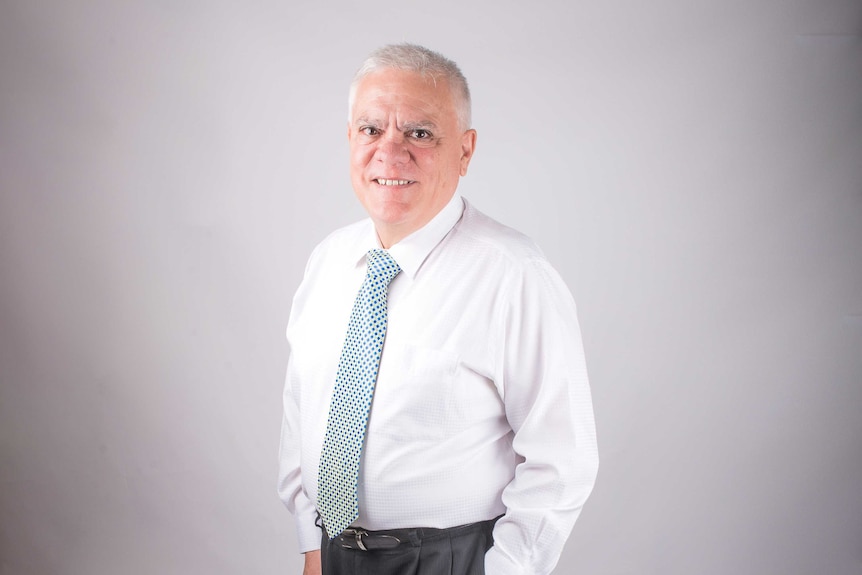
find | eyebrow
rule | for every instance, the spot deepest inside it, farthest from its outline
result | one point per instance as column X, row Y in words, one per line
column 407, row 126
column 426, row 125
column 364, row 120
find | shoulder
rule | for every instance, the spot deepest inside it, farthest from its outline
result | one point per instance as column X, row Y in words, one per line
column 346, row 238
column 514, row 261
column 340, row 244
column 488, row 238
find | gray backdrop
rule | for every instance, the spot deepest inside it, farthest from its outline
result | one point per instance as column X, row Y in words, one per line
column 693, row 169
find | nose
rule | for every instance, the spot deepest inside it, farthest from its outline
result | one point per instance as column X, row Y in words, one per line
column 393, row 149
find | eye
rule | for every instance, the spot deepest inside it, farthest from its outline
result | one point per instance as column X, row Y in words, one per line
column 421, row 134
column 369, row 130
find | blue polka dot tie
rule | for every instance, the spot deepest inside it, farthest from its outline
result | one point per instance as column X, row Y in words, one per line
column 351, row 399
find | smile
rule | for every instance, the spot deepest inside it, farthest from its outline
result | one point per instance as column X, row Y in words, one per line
column 383, row 182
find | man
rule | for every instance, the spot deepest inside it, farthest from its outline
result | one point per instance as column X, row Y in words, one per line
column 452, row 427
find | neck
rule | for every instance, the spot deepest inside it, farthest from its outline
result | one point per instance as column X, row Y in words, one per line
column 388, row 237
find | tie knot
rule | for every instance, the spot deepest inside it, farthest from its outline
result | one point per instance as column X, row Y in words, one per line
column 381, row 264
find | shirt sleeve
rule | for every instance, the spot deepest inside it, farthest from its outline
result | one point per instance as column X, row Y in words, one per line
column 290, row 488
column 290, row 474
column 542, row 377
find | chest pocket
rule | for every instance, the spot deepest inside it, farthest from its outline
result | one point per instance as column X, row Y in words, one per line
column 413, row 394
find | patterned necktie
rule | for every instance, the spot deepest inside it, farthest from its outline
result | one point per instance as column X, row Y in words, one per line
column 351, row 399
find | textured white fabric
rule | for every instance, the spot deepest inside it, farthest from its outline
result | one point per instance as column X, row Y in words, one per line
column 482, row 405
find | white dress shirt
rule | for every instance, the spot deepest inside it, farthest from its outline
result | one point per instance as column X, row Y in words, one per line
column 482, row 405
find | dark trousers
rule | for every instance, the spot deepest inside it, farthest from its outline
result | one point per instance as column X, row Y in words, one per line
column 455, row 551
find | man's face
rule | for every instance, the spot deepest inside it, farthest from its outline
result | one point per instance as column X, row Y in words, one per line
column 407, row 150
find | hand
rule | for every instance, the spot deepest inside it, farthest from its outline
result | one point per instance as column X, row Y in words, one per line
column 312, row 563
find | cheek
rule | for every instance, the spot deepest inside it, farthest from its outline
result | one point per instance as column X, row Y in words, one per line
column 360, row 156
column 446, row 166
column 428, row 161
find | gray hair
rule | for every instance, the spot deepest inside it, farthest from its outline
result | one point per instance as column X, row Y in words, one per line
column 415, row 58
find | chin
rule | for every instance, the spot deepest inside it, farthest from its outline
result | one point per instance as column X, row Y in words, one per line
column 390, row 215
column 385, row 207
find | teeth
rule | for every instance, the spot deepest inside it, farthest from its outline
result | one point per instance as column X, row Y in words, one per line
column 383, row 182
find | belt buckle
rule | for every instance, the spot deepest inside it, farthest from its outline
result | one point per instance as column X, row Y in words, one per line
column 357, row 534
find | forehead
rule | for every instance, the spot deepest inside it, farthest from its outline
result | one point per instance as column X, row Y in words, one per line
column 405, row 93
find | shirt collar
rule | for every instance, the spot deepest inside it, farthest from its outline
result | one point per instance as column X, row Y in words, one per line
column 411, row 251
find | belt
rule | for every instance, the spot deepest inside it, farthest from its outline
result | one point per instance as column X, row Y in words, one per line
column 362, row 540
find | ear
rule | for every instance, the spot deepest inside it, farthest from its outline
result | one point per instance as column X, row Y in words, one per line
column 468, row 146
column 348, row 131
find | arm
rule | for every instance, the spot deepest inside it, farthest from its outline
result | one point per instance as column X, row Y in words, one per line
column 542, row 377
column 290, row 487
column 290, row 474
column 312, row 563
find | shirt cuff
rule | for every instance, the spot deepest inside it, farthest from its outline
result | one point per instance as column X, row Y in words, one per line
column 499, row 563
column 307, row 533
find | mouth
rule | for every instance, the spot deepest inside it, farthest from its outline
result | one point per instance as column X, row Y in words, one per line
column 386, row 182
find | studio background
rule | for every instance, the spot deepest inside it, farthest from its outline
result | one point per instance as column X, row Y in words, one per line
column 693, row 170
